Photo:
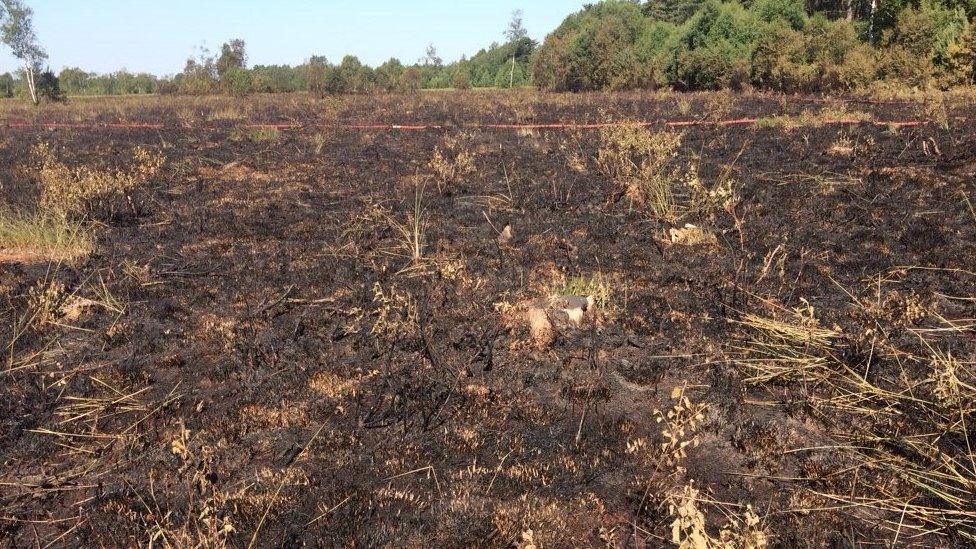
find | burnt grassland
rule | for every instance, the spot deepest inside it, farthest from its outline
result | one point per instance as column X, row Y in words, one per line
column 220, row 335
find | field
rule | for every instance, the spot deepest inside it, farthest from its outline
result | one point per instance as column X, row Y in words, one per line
column 755, row 326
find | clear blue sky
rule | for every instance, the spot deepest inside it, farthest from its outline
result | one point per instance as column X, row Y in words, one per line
column 157, row 36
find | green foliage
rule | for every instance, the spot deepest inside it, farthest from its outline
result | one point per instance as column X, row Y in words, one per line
column 48, row 87
column 317, row 72
column 233, row 55
column 671, row 11
column 231, row 68
column 503, row 65
column 720, row 24
column 199, row 76
column 770, row 44
column 601, row 47
column 279, row 78
column 842, row 60
column 500, row 65
column 652, row 53
column 236, row 81
column 920, row 46
column 6, row 85
column 551, row 65
column 350, row 76
column 487, row 65
column 780, row 60
column 387, row 76
column 827, row 55
column 410, row 80
column 961, row 63
column 516, row 31
column 714, row 47
column 791, row 12
column 17, row 32
column 435, row 77
column 73, row 78
column 783, row 45
column 75, row 81
column 461, row 80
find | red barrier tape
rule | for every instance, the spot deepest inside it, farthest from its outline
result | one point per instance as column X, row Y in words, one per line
column 82, row 126
column 423, row 127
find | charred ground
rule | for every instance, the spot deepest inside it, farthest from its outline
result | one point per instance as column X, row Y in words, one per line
column 254, row 353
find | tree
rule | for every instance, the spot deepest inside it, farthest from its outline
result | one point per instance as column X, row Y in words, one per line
column 335, row 81
column 6, row 83
column 18, row 33
column 350, row 76
column 552, row 65
column 430, row 58
column 461, row 80
column 962, row 56
column 198, row 76
column 515, row 33
column 280, row 78
column 237, row 81
column 918, row 45
column 317, row 72
column 233, row 55
column 49, row 87
column 74, row 80
column 672, row 11
column 410, row 79
column 388, row 75
column 431, row 70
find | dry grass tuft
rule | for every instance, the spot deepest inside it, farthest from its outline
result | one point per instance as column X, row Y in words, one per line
column 642, row 162
column 819, row 119
column 318, row 142
column 256, row 134
column 908, row 433
column 449, row 170
column 790, row 346
column 226, row 112
column 452, row 161
column 396, row 312
column 69, row 195
column 413, row 230
column 598, row 286
column 25, row 237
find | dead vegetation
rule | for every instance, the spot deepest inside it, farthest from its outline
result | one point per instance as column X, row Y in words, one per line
column 452, row 161
column 59, row 228
column 645, row 164
column 642, row 162
column 902, row 411
column 68, row 192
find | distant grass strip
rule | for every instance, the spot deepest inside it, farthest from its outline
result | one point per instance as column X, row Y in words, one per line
column 45, row 236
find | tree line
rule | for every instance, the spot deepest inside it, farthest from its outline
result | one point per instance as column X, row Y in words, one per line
column 506, row 64
column 782, row 45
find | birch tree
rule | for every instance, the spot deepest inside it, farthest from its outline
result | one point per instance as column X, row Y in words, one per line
column 516, row 31
column 17, row 32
